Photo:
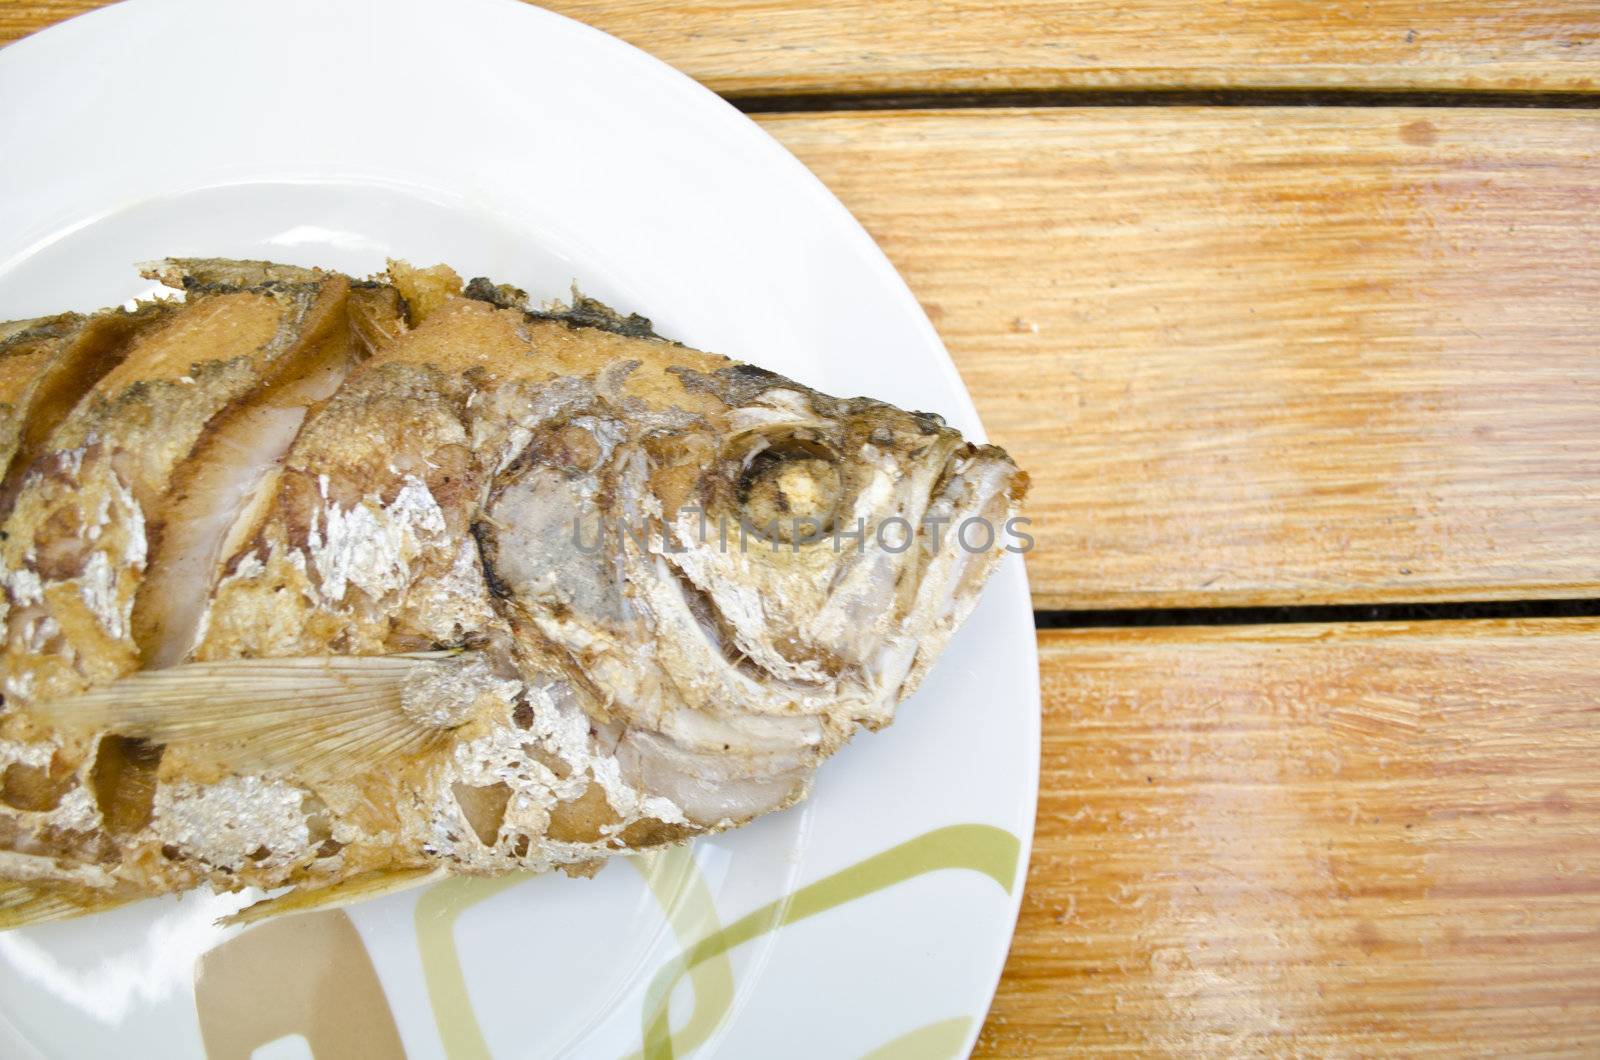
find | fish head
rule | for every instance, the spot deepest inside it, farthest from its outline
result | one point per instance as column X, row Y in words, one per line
column 772, row 551
column 835, row 543
column 741, row 579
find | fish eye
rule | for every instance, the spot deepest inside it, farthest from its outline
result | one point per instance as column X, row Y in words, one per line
column 789, row 487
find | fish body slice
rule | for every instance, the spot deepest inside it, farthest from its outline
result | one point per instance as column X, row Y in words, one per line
column 46, row 366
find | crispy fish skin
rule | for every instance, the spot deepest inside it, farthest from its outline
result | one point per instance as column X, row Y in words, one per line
column 311, row 587
column 46, row 366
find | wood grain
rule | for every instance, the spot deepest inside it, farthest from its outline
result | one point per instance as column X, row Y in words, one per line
column 775, row 47
column 1262, row 356
column 1313, row 840
column 18, row 18
column 1265, row 355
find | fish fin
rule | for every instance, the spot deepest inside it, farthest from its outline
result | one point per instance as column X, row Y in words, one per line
column 22, row 904
column 225, row 273
column 355, row 889
column 316, row 716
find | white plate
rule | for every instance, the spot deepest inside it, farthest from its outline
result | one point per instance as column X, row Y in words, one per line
column 519, row 145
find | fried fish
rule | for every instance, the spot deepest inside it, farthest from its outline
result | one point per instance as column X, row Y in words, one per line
column 336, row 585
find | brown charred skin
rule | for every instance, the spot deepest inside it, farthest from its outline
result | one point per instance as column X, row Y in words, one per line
column 485, row 809
column 648, row 832
column 36, row 789
column 124, row 782
column 581, row 820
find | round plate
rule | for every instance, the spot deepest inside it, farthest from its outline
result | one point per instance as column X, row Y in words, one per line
column 519, row 145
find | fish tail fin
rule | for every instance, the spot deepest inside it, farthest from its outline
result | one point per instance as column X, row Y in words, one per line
column 22, row 904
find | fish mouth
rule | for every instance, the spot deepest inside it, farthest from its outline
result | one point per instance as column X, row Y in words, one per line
column 980, row 492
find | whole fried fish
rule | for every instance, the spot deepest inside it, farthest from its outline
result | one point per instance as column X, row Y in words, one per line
column 337, row 584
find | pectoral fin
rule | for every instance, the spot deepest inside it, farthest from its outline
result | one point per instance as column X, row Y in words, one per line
column 355, row 889
column 331, row 715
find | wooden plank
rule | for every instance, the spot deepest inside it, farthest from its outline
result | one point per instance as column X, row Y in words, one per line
column 780, row 47
column 19, row 19
column 1261, row 356
column 1313, row 840
column 763, row 48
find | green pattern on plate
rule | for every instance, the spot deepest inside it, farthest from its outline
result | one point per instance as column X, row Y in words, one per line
column 978, row 847
column 675, row 880
column 942, row 1039
column 437, row 911
column 676, row 883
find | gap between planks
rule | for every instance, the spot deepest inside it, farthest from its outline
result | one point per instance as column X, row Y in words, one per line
column 1114, row 618
column 1487, row 99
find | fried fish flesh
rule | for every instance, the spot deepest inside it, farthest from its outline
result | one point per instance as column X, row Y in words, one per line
column 336, row 585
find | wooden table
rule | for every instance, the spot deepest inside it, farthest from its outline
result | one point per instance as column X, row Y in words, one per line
column 1289, row 308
